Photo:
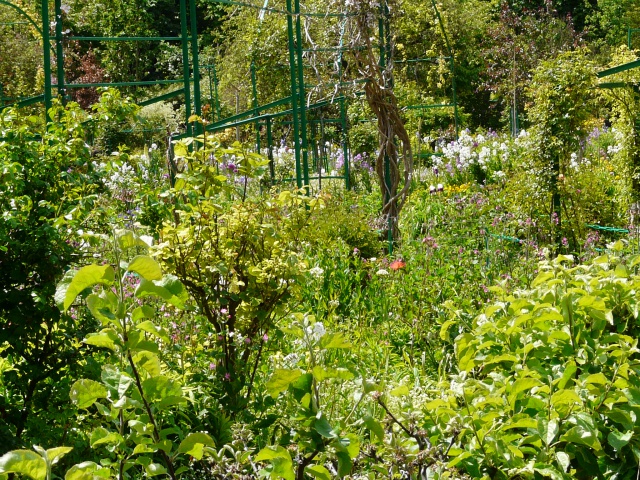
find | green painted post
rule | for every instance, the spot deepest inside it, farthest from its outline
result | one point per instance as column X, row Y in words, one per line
column 301, row 97
column 185, row 64
column 254, row 88
column 196, row 64
column 345, row 148
column 343, row 116
column 215, row 88
column 59, row 49
column 294, row 94
column 383, row 62
column 46, row 50
column 213, row 113
column 272, row 169
column 455, row 95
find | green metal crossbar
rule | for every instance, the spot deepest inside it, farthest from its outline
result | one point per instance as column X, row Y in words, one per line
column 124, row 84
column 162, row 98
column 620, row 68
column 429, row 106
column 506, row 237
column 607, row 229
column 126, row 39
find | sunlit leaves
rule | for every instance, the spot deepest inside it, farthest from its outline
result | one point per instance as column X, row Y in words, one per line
column 71, row 286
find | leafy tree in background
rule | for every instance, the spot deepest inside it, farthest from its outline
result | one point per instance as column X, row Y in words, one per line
column 20, row 55
column 513, row 48
column 609, row 21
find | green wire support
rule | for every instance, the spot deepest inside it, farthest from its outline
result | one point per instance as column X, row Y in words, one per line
column 256, row 111
column 272, row 168
column 607, row 229
column 629, row 33
column 213, row 91
column 185, row 65
column 59, row 50
column 46, row 59
column 196, row 64
column 294, row 93
column 301, row 96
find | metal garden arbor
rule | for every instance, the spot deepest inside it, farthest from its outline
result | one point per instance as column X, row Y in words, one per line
column 55, row 44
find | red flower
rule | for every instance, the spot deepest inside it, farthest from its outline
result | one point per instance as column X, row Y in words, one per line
column 397, row 265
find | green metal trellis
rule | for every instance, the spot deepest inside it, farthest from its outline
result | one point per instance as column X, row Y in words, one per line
column 187, row 42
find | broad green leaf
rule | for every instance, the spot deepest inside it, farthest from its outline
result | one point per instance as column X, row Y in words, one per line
column 444, row 329
column 169, row 289
column 56, row 453
column 102, row 436
column 160, row 388
column 345, row 464
column 24, row 462
column 271, row 452
column 86, row 277
column 597, row 379
column 145, row 311
column 564, row 461
column 280, row 381
column 127, row 239
column 85, row 392
column 150, row 327
column 566, row 396
column 526, row 422
column 87, row 471
column 117, row 382
column 102, row 308
column 154, row 469
column 400, row 391
column 569, row 371
column 334, row 340
column 322, row 373
column 106, row 338
column 580, row 435
column 350, row 443
column 149, row 362
column 194, row 444
column 318, row 471
column 373, row 425
column 549, row 472
column 301, row 389
column 618, row 439
column 282, row 466
column 146, row 267
column 322, row 426
column 522, row 385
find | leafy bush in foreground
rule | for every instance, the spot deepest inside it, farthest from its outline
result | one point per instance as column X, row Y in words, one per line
column 548, row 382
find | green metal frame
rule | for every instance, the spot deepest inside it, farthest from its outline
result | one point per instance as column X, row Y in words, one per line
column 188, row 43
column 630, row 32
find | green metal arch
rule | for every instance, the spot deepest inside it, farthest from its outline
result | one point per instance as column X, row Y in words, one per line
column 23, row 13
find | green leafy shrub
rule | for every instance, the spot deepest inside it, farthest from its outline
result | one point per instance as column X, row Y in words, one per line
column 547, row 382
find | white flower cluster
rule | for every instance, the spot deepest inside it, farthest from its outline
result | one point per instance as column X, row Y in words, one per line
column 315, row 332
column 316, row 272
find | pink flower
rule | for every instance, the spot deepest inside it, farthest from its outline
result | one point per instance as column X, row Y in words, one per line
column 212, row 366
column 265, row 337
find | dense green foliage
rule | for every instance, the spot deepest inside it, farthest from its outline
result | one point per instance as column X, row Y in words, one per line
column 180, row 311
